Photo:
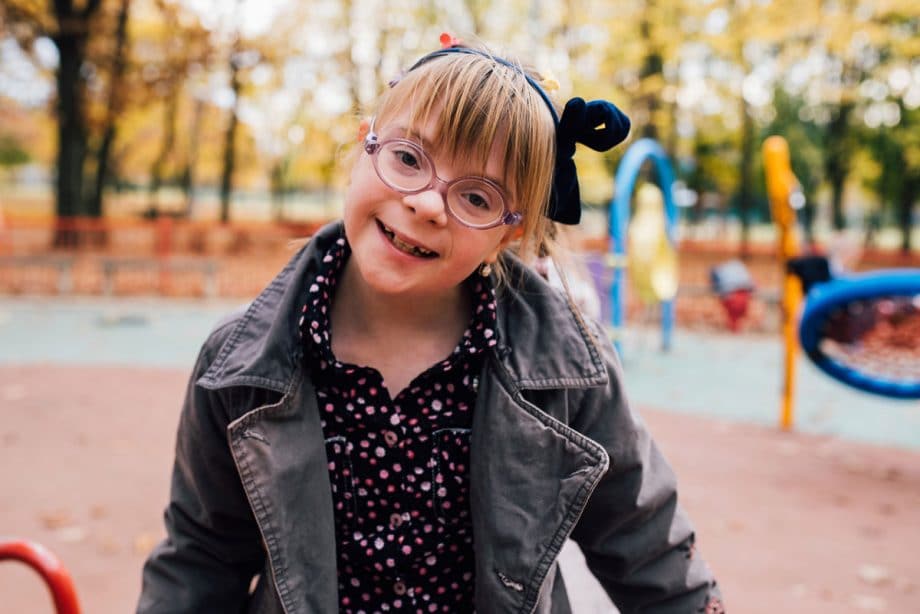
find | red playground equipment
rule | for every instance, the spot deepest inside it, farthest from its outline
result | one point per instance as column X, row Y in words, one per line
column 49, row 568
column 736, row 307
column 734, row 285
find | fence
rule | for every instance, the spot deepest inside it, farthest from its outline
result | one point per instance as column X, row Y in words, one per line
column 181, row 258
column 164, row 256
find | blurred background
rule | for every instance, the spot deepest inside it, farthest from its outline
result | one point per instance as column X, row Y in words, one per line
column 158, row 157
column 237, row 111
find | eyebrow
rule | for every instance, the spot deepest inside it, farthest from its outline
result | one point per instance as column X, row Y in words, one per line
column 414, row 134
column 427, row 146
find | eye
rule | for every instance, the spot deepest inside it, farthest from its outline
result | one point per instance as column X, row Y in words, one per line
column 407, row 157
column 478, row 200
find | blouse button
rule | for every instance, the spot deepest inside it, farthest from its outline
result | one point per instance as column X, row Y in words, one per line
column 390, row 438
column 399, row 587
column 396, row 520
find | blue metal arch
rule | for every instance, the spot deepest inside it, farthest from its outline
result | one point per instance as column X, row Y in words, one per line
column 824, row 298
column 624, row 185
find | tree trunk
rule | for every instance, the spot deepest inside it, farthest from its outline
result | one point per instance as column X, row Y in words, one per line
column 70, row 40
column 169, row 138
column 696, row 181
column 71, row 137
column 188, row 175
column 837, row 161
column 278, row 187
column 671, row 142
column 652, row 65
column 226, row 180
column 837, row 182
column 94, row 205
column 808, row 218
column 905, row 212
column 746, row 176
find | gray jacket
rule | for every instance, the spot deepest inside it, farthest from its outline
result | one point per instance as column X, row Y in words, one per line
column 556, row 452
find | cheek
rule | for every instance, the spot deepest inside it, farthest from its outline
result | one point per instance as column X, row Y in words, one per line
column 362, row 171
column 480, row 248
column 361, row 188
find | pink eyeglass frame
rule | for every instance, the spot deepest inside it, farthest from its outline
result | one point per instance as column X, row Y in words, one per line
column 509, row 218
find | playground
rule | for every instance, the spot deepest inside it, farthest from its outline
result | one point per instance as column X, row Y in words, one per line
column 749, row 249
column 818, row 520
column 803, row 474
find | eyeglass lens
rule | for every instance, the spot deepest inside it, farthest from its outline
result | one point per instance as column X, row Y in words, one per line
column 407, row 168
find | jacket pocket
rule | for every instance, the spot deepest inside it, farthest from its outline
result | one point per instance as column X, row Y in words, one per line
column 450, row 475
column 341, row 478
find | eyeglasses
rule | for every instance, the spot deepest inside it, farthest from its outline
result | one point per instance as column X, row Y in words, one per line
column 476, row 202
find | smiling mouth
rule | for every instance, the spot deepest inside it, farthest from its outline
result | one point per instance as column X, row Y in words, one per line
column 408, row 248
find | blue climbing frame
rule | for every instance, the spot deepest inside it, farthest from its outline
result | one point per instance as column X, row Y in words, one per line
column 624, row 185
column 825, row 298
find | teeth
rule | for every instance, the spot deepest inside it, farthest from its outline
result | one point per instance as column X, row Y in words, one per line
column 406, row 247
column 412, row 249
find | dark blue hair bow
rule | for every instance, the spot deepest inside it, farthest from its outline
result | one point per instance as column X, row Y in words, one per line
column 598, row 124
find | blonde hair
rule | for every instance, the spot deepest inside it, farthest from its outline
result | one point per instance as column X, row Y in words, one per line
column 477, row 103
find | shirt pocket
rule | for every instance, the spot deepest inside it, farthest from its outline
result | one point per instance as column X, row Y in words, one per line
column 450, row 475
column 341, row 479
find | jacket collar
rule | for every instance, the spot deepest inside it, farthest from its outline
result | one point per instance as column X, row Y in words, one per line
column 542, row 343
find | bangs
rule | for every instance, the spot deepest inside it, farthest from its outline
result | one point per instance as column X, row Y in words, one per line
column 477, row 106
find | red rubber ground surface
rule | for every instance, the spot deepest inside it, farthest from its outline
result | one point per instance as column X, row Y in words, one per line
column 790, row 523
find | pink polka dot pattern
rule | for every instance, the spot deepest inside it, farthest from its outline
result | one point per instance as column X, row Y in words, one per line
column 399, row 466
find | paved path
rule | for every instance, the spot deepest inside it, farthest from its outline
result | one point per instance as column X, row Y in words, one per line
column 718, row 375
column 800, row 522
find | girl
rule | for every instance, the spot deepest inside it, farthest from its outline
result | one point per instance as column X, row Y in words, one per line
column 409, row 418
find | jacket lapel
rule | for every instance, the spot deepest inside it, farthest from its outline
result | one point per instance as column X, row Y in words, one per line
column 281, row 458
column 530, row 479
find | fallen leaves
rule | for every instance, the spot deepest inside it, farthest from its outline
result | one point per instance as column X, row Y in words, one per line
column 144, row 543
column 65, row 528
column 874, row 575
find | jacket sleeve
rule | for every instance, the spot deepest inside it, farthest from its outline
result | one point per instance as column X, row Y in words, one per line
column 636, row 539
column 212, row 548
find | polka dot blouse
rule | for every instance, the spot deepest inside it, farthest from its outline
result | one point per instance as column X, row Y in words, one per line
column 399, row 467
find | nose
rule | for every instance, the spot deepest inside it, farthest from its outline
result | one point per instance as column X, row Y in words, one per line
column 430, row 205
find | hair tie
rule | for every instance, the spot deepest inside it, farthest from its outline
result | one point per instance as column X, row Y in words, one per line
column 598, row 124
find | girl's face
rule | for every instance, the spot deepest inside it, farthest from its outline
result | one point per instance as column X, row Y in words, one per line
column 408, row 244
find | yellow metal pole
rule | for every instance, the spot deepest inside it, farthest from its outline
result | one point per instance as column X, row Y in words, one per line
column 781, row 183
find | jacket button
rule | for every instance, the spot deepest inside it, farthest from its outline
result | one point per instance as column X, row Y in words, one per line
column 390, row 438
column 399, row 588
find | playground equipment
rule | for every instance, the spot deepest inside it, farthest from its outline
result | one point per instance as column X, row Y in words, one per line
column 863, row 330
column 49, row 568
column 656, row 261
column 732, row 282
column 782, row 187
column 652, row 262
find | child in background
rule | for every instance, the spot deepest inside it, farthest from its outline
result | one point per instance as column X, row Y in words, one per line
column 409, row 418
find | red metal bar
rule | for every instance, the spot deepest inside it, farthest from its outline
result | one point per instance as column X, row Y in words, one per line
column 49, row 567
